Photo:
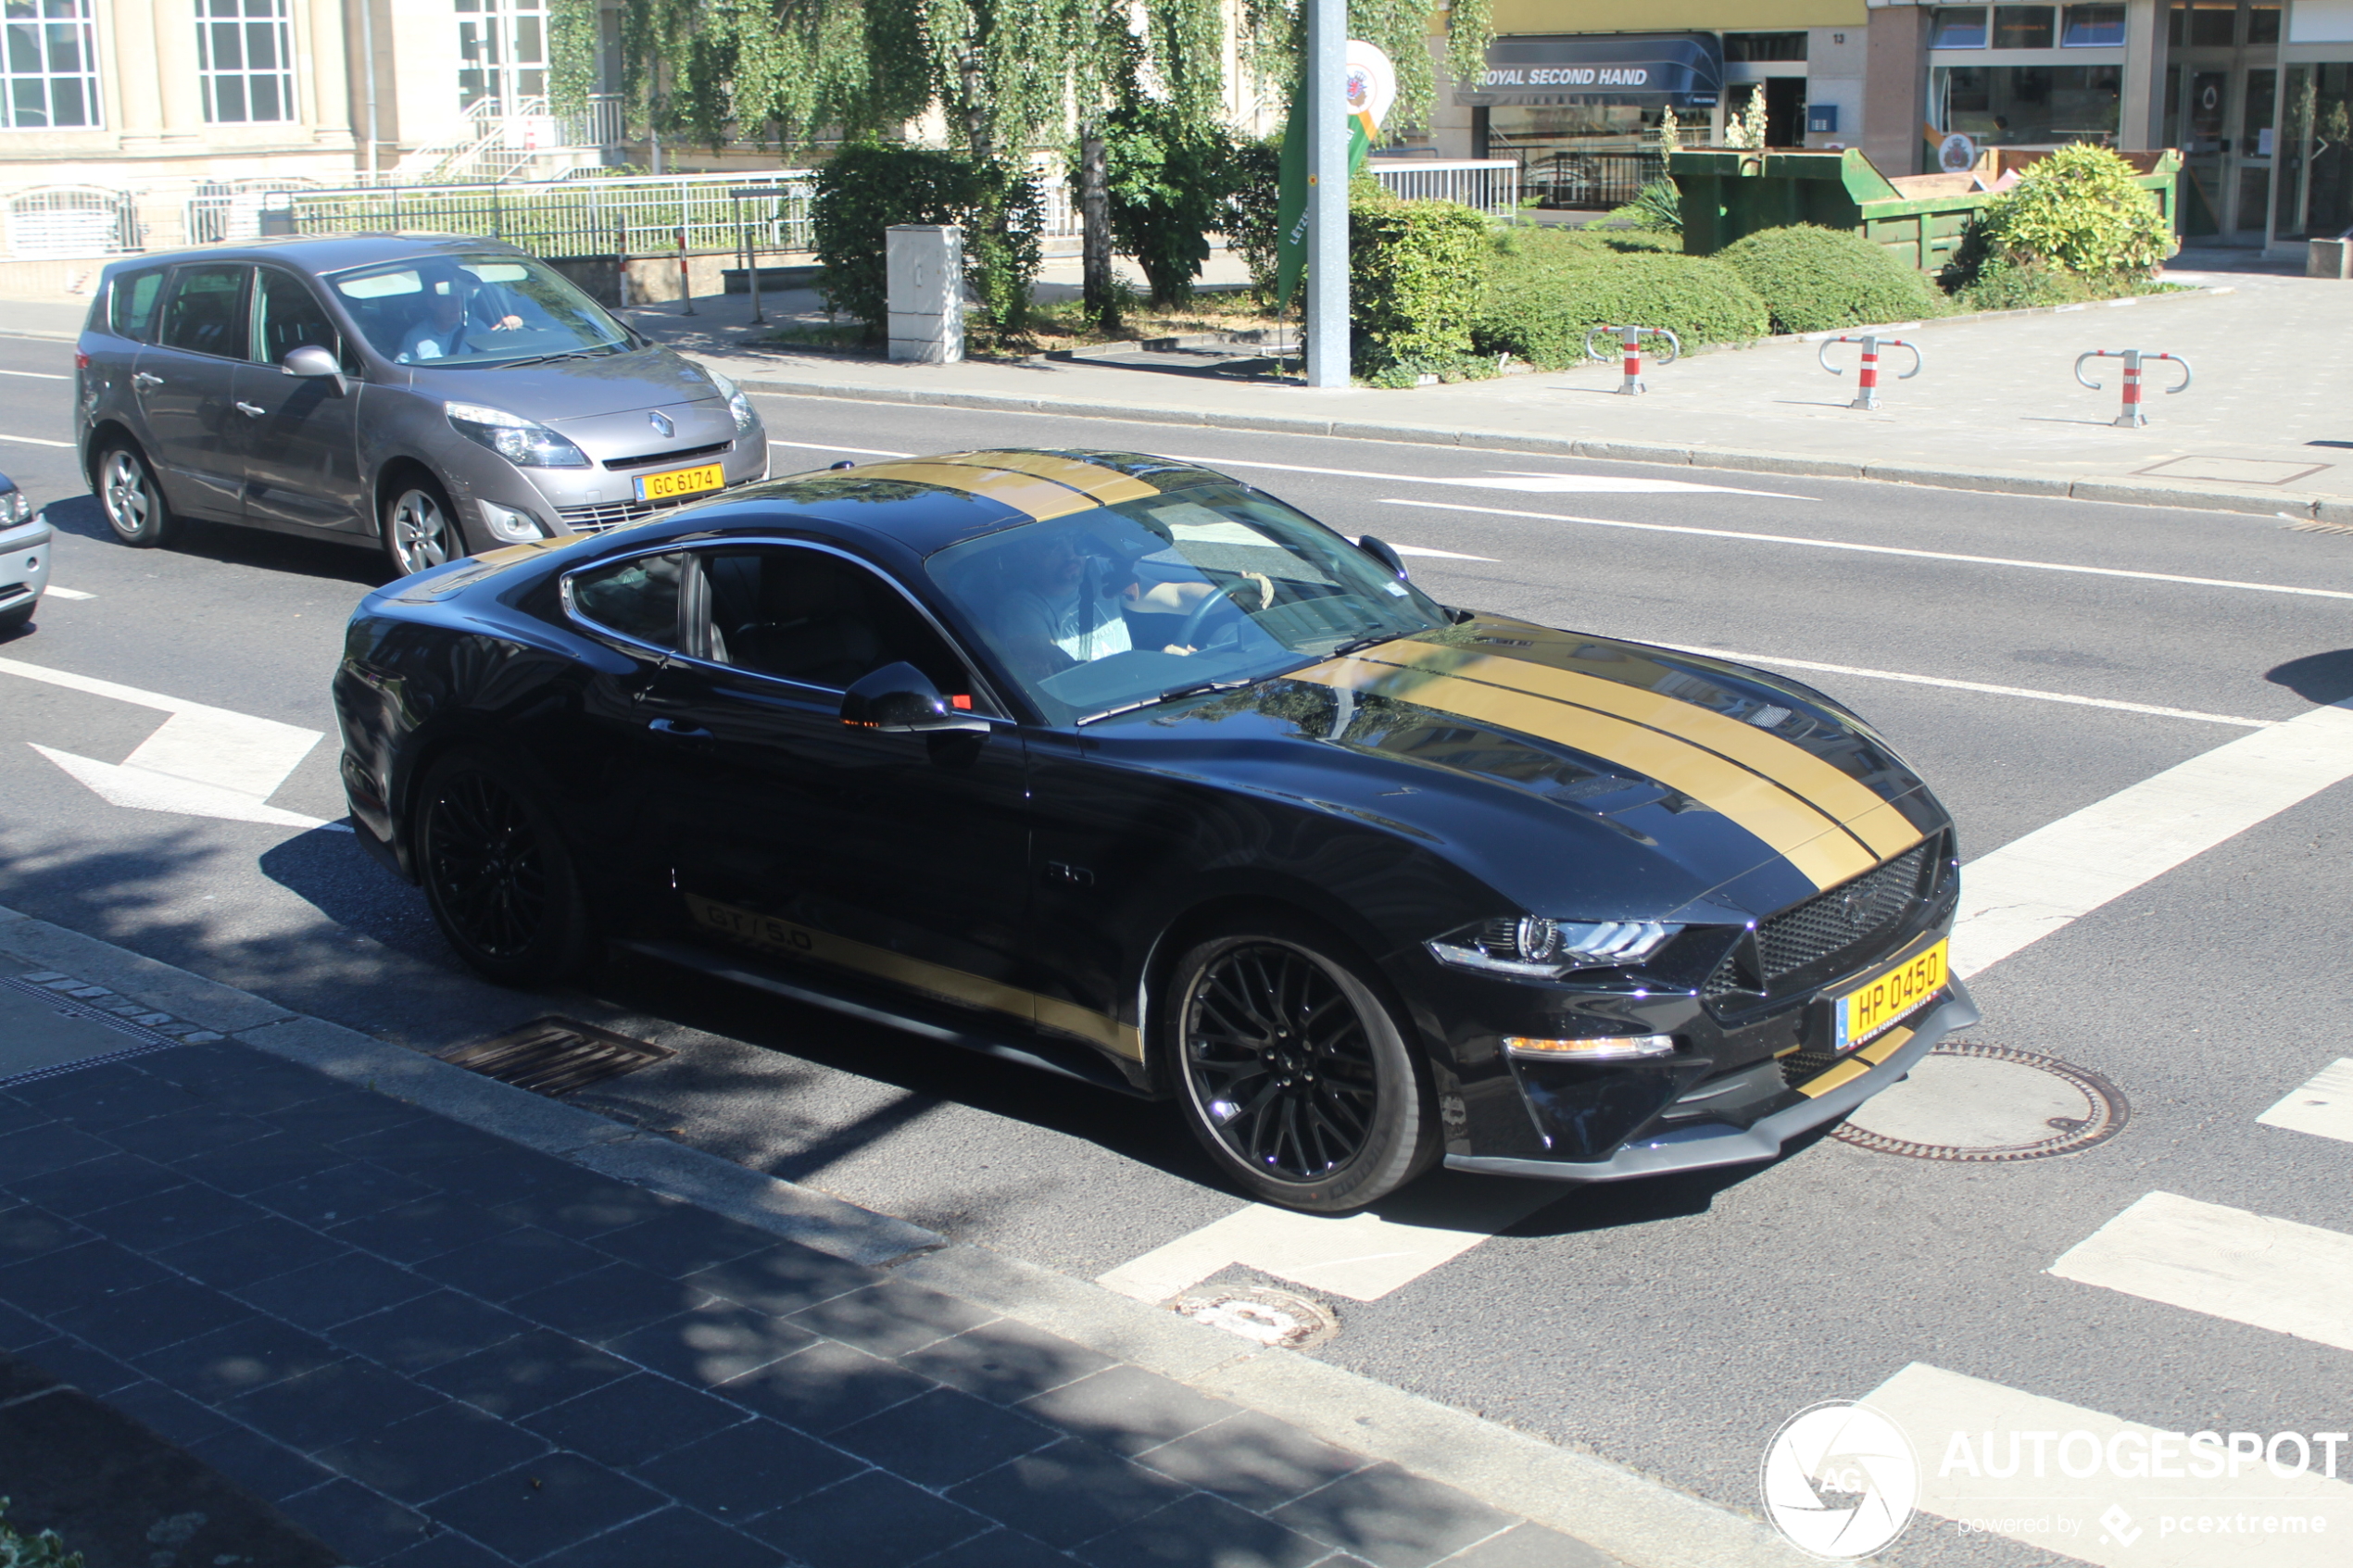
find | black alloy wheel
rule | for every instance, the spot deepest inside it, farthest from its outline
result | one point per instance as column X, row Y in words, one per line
column 502, row 886
column 1296, row 1076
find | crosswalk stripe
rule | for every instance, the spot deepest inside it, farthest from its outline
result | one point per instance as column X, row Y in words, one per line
column 2103, row 1517
column 2226, row 1262
column 2324, row 1107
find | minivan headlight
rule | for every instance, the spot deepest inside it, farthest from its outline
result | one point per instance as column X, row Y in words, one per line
column 739, row 405
column 524, row 442
column 1532, row 948
column 14, row 506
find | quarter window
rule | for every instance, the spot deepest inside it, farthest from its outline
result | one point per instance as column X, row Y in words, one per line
column 49, row 67
column 207, row 312
column 130, row 304
column 245, row 55
column 637, row 597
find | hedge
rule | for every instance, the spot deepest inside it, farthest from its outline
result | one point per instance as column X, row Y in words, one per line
column 1544, row 290
column 1414, row 271
column 1816, row 279
column 863, row 189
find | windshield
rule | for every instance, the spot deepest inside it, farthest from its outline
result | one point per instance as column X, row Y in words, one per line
column 1200, row 588
column 474, row 310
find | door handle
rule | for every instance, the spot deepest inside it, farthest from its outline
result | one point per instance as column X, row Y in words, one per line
column 143, row 380
column 251, row 411
column 673, row 727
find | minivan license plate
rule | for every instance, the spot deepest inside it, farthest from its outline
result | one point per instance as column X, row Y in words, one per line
column 680, row 482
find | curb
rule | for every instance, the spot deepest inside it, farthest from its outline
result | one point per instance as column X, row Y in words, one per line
column 2122, row 492
column 1642, row 1521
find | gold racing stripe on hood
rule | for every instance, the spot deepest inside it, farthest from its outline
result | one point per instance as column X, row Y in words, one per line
column 1839, row 797
column 1106, row 486
column 1819, row 850
column 1042, row 498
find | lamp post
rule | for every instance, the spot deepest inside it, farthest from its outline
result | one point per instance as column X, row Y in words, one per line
column 1326, row 192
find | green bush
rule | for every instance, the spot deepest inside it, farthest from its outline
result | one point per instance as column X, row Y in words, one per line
column 1657, row 208
column 1414, row 271
column 1253, row 187
column 866, row 188
column 2077, row 210
column 43, row 1550
column 1168, row 186
column 1816, row 279
column 1546, row 287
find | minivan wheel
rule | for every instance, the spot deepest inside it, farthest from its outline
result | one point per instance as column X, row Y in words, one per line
column 128, row 495
column 421, row 527
column 1294, row 1070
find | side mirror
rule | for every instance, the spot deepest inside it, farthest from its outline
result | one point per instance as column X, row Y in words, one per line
column 311, row 360
column 900, row 699
column 1383, row 552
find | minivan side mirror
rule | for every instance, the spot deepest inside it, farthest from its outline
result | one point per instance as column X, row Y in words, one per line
column 312, row 360
column 899, row 699
column 1385, row 552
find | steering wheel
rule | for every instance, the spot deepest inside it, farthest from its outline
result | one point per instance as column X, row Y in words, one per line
column 1187, row 636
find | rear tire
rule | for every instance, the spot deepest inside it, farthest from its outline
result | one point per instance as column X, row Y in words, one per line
column 1294, row 1069
column 503, row 886
column 419, row 527
column 130, row 497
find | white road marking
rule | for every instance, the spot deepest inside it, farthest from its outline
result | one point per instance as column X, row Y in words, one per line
column 1441, row 554
column 53, row 591
column 205, row 761
column 830, row 447
column 2322, row 1107
column 1533, row 483
column 37, row 375
column 2096, row 1515
column 2035, row 693
column 1363, row 1256
column 1882, row 550
column 32, row 440
column 2226, row 1262
column 2032, row 887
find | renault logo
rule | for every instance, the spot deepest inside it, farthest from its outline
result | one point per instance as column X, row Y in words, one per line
column 660, row 421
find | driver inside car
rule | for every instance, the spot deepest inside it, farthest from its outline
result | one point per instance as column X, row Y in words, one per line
column 1070, row 605
column 450, row 302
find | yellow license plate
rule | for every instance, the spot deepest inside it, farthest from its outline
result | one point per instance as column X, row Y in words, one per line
column 1888, row 999
column 680, row 482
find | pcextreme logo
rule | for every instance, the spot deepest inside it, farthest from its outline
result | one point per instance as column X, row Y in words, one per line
column 1840, row 1480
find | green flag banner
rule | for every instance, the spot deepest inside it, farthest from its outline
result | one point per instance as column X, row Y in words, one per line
column 1290, row 204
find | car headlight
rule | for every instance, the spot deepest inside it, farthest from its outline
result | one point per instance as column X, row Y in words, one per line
column 747, row 418
column 1532, row 948
column 524, row 442
column 14, row 506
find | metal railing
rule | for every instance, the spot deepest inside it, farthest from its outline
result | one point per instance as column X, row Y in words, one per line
column 1488, row 184
column 1587, row 180
column 72, row 221
column 629, row 216
column 231, row 210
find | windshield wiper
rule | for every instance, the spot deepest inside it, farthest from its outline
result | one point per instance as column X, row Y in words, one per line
column 551, row 359
column 1360, row 644
column 1193, row 688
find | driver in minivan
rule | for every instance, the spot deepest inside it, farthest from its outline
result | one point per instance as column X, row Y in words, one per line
column 448, row 294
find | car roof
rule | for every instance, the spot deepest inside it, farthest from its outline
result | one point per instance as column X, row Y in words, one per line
column 927, row 504
column 319, row 253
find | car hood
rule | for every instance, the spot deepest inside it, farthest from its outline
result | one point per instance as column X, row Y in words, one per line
column 652, row 377
column 1583, row 776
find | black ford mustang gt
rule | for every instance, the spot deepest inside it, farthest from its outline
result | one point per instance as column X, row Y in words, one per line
column 1113, row 765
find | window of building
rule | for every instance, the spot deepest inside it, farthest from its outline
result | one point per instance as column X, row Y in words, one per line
column 502, row 52
column 2094, row 27
column 2025, row 27
column 2213, row 24
column 50, row 68
column 1958, row 26
column 2263, row 24
column 2029, row 106
column 1764, row 46
column 245, row 55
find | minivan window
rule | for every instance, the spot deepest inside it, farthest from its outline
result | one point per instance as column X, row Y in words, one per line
column 130, row 304
column 207, row 312
column 474, row 310
column 289, row 317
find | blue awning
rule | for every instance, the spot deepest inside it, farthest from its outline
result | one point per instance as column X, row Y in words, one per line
column 1684, row 69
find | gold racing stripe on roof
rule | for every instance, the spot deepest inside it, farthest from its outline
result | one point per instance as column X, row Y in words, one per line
column 1839, row 797
column 1106, row 486
column 1803, row 835
column 1042, row 498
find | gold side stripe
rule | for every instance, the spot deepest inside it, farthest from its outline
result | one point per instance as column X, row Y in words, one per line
column 1042, row 498
column 1808, row 839
column 1841, row 797
column 800, row 941
column 1106, row 486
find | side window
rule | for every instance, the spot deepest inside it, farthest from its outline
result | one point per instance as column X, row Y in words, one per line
column 637, row 598
column 130, row 304
column 290, row 317
column 205, row 311
column 815, row 617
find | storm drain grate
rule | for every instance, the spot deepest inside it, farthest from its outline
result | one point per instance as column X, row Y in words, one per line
column 1974, row 1102
column 556, row 1056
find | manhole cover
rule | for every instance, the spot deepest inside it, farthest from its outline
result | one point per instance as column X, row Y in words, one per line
column 556, row 1056
column 1982, row 1103
column 1261, row 1316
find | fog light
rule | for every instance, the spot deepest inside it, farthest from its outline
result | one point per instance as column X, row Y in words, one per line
column 1607, row 1047
column 516, row 528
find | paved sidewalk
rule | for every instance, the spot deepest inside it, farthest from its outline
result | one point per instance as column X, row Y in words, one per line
column 298, row 1253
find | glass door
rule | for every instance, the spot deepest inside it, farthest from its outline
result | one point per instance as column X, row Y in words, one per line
column 2225, row 72
column 502, row 55
column 2313, row 154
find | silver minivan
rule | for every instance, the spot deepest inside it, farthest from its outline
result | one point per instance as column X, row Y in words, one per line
column 433, row 397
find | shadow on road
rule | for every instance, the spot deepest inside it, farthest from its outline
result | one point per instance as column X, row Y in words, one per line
column 2317, row 677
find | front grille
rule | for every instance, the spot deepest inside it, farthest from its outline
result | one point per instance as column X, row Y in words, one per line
column 656, row 459
column 1839, row 921
column 619, row 514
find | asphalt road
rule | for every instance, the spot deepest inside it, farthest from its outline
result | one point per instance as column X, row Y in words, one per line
column 1671, row 1327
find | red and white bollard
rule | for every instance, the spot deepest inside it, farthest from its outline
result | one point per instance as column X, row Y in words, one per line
column 1631, row 347
column 2134, row 415
column 1866, row 376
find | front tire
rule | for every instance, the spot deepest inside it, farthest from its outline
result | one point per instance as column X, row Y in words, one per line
column 130, row 499
column 418, row 526
column 502, row 885
column 1294, row 1070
